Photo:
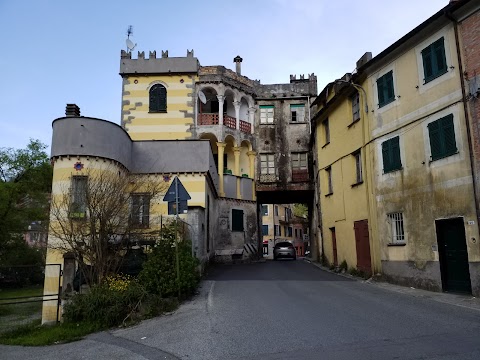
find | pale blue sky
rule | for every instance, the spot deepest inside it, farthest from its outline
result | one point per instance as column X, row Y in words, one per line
column 56, row 52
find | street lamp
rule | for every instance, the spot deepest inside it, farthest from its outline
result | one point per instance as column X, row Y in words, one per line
column 356, row 86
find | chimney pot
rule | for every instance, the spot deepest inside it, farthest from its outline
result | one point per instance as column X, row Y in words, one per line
column 72, row 110
column 238, row 64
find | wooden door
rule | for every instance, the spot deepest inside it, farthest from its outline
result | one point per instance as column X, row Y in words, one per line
column 334, row 245
column 362, row 241
column 453, row 255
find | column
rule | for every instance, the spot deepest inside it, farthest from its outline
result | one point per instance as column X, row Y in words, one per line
column 237, row 113
column 236, row 170
column 251, row 117
column 221, row 151
column 251, row 173
column 221, row 99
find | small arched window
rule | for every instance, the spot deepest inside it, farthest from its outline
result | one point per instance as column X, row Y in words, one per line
column 158, row 98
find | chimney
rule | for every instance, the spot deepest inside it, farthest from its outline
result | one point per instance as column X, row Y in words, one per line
column 72, row 110
column 238, row 64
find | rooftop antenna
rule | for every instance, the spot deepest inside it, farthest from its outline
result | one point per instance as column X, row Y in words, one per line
column 130, row 44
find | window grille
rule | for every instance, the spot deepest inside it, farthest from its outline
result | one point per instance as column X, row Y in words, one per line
column 396, row 223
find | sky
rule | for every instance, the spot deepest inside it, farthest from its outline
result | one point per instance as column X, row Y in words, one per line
column 56, row 52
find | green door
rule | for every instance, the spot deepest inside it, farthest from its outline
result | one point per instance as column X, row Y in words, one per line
column 452, row 248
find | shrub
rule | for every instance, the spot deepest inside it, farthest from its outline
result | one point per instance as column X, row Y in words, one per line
column 159, row 275
column 108, row 304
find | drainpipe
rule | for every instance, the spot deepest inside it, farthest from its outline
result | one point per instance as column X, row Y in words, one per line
column 449, row 15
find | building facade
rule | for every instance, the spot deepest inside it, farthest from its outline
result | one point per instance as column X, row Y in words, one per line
column 419, row 195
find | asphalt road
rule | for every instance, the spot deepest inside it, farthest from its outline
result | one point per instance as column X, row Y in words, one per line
column 286, row 310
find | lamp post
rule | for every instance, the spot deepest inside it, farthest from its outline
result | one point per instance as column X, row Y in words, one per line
column 356, row 86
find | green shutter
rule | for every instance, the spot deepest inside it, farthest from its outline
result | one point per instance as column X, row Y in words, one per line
column 158, row 98
column 435, row 140
column 439, row 53
column 391, row 155
column 395, row 151
column 267, row 106
column 380, row 91
column 297, row 105
column 450, row 145
column 434, row 60
column 385, row 89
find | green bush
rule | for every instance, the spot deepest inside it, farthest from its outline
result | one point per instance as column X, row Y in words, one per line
column 105, row 306
column 159, row 275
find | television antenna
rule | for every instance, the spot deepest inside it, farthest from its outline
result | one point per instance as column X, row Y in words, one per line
column 130, row 44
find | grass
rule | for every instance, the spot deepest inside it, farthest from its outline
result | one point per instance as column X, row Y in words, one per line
column 34, row 334
column 14, row 315
column 21, row 292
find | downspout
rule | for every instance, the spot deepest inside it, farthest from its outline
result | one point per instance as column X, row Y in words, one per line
column 449, row 15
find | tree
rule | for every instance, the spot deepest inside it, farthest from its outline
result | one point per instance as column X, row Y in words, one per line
column 97, row 215
column 25, row 185
column 300, row 210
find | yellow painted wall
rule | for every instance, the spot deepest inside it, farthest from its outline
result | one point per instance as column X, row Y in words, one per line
column 348, row 202
column 195, row 184
column 142, row 125
column 423, row 190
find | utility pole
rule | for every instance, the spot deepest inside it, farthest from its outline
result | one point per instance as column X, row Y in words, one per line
column 176, row 238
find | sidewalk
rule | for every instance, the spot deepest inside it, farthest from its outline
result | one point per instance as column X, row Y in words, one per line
column 465, row 301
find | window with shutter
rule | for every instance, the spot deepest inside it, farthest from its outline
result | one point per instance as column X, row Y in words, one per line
column 434, row 60
column 355, row 99
column 264, row 229
column 391, row 155
column 442, row 138
column 385, row 89
column 158, row 98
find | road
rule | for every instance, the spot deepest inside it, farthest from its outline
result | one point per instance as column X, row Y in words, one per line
column 287, row 310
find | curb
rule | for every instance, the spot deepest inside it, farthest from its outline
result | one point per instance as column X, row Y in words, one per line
column 464, row 301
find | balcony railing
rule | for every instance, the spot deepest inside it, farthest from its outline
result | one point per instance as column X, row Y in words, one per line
column 208, row 119
column 300, row 175
column 229, row 121
column 245, row 127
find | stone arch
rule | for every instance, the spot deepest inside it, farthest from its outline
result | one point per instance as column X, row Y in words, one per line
column 245, row 147
column 156, row 82
column 211, row 106
column 228, row 107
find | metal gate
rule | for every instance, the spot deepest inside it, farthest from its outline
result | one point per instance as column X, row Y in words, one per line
column 23, row 292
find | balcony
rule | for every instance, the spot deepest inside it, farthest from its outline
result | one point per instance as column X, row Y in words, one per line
column 230, row 187
column 300, row 175
column 207, row 119
column 245, row 127
column 228, row 121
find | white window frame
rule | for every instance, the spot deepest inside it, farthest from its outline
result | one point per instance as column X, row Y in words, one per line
column 397, row 228
column 300, row 160
column 267, row 115
column 299, row 113
column 267, row 164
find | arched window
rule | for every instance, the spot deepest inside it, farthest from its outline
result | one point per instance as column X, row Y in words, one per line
column 158, row 98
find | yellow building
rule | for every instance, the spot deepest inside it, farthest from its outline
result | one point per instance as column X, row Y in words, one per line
column 418, row 187
column 276, row 226
column 179, row 119
column 340, row 145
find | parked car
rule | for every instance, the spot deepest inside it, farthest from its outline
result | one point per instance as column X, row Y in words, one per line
column 284, row 249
